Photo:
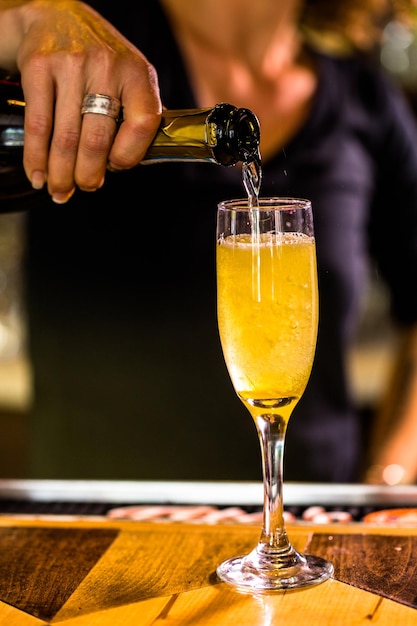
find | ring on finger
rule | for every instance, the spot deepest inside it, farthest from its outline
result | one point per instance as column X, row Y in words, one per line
column 102, row 104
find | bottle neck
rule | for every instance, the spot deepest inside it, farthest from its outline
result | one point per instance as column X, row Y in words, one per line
column 224, row 134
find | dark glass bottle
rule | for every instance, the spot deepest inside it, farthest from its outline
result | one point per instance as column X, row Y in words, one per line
column 223, row 135
column 14, row 186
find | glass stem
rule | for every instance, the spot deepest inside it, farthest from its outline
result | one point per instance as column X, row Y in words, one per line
column 274, row 540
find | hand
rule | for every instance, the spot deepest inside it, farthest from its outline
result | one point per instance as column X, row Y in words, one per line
column 67, row 50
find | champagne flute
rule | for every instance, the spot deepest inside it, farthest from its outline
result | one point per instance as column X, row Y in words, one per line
column 267, row 305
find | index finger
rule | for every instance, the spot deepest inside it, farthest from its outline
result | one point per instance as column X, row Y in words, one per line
column 142, row 109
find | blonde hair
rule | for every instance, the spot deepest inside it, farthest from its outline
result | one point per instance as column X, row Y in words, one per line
column 345, row 25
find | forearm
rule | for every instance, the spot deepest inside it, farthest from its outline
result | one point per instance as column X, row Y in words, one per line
column 394, row 454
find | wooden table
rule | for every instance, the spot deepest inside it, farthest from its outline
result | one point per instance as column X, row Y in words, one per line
column 95, row 572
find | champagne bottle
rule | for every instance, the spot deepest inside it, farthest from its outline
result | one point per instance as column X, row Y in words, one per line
column 223, row 134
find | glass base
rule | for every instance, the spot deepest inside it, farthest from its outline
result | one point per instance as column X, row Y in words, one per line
column 306, row 570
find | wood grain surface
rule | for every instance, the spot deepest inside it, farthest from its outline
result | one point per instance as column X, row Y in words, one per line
column 93, row 572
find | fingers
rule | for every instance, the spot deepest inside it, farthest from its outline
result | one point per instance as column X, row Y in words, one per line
column 67, row 150
column 52, row 134
column 79, row 148
column 105, row 144
column 63, row 148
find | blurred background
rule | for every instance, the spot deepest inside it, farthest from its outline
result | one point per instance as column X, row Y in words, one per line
column 370, row 357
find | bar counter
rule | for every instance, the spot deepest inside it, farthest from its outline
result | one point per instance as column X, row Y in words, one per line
column 94, row 571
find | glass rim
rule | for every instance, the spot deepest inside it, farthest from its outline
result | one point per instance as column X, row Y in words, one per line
column 272, row 203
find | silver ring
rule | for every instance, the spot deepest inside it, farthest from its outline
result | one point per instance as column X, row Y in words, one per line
column 98, row 103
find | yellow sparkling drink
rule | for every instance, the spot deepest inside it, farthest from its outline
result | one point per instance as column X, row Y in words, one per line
column 268, row 316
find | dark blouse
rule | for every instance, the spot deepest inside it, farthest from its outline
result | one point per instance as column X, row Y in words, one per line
column 130, row 379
